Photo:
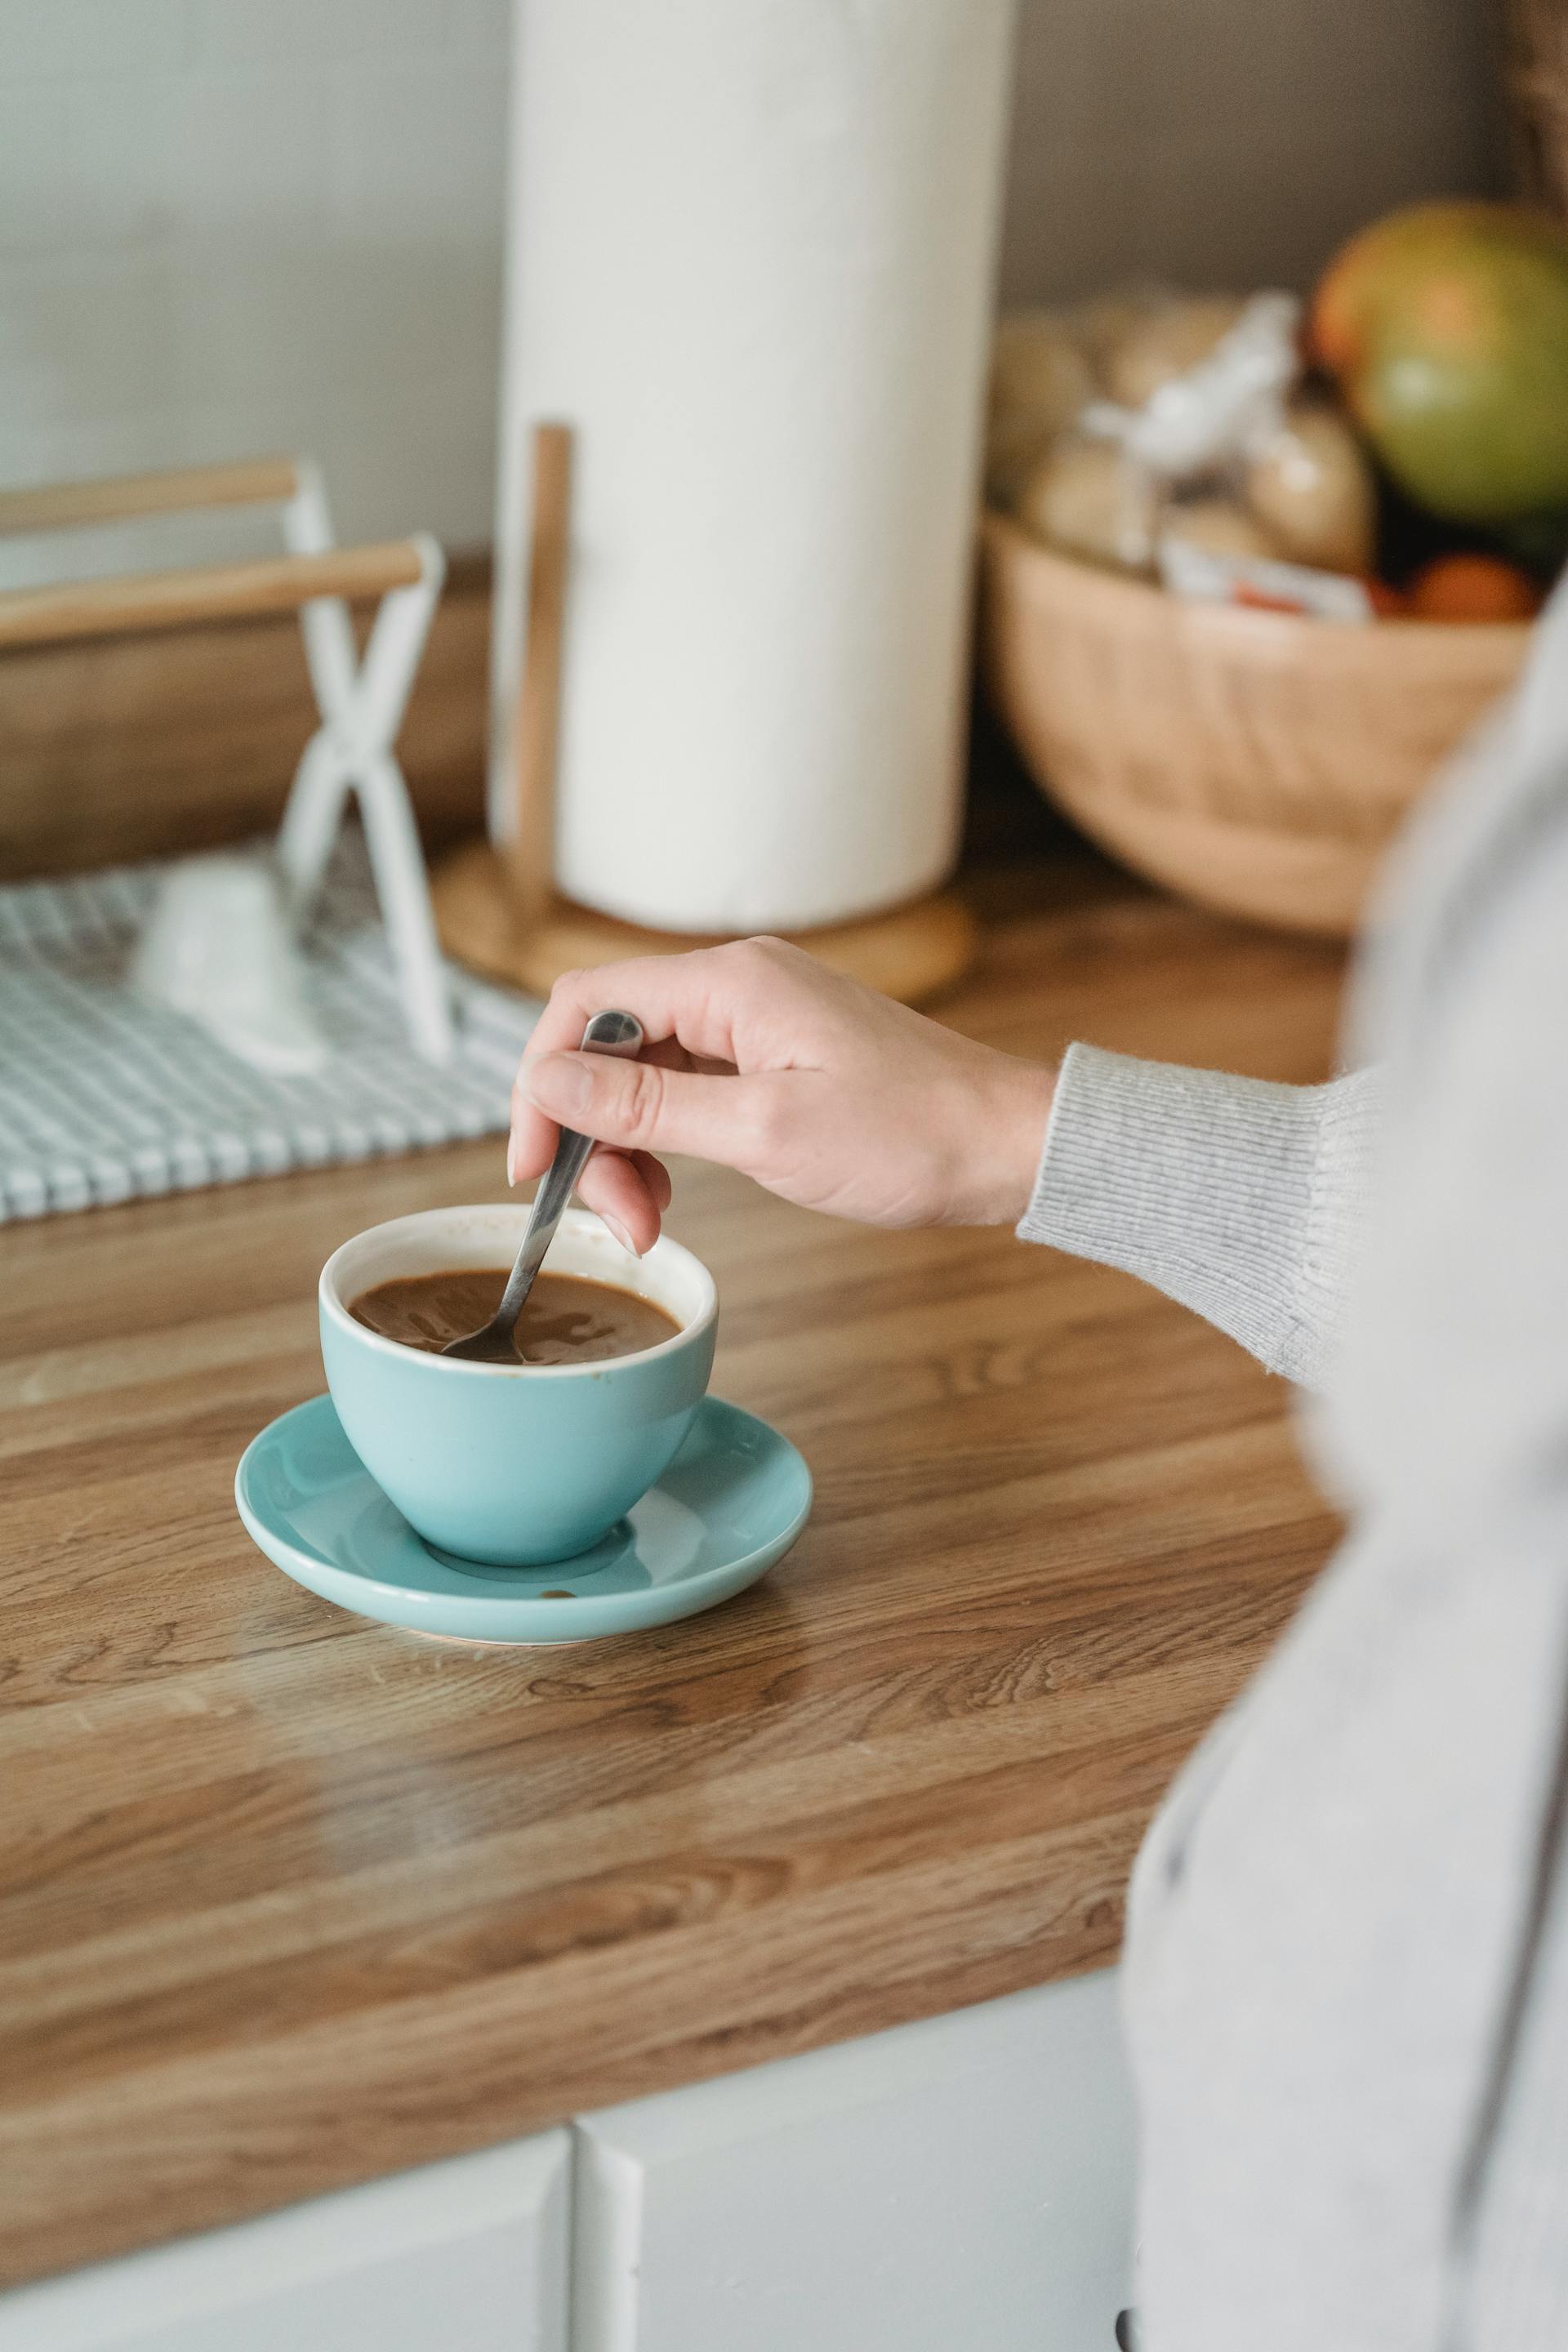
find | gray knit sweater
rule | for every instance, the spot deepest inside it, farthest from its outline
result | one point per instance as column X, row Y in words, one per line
column 1347, row 1965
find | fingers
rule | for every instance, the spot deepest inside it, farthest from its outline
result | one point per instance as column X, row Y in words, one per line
column 619, row 1189
column 630, row 1190
column 655, row 1175
column 716, row 1008
column 694, row 998
column 675, row 998
column 638, row 1107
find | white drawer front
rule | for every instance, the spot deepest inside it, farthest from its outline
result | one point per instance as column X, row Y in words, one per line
column 964, row 2181
column 466, row 2256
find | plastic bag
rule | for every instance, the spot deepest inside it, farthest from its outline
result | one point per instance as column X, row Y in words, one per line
column 1196, row 430
column 1205, row 419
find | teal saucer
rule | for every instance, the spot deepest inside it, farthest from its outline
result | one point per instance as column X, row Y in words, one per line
column 732, row 1502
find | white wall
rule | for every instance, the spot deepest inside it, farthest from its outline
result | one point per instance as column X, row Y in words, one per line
column 238, row 225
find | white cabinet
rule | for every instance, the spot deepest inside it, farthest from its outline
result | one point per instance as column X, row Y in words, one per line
column 467, row 2256
column 966, row 2182
column 962, row 2182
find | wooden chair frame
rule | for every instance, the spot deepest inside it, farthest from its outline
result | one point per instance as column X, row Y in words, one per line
column 361, row 703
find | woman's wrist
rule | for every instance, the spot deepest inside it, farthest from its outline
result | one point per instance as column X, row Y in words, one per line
column 1036, row 1093
column 1004, row 1145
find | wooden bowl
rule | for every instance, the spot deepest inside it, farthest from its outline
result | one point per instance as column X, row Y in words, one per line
column 1258, row 761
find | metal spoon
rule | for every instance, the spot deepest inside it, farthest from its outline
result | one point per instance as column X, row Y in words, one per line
column 607, row 1032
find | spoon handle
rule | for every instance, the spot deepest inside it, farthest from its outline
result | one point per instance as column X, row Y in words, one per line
column 617, row 1034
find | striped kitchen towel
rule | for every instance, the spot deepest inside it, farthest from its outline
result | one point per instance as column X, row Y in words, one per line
column 104, row 1097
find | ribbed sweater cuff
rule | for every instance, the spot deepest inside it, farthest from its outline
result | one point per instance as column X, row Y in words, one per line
column 1240, row 1198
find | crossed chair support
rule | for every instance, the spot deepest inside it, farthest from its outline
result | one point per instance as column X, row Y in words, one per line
column 361, row 702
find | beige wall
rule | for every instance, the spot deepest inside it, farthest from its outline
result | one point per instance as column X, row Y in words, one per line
column 1233, row 143
column 240, row 225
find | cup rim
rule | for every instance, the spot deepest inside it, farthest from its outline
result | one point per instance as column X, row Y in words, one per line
column 335, row 1307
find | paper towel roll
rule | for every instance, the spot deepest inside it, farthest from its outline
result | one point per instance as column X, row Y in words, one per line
column 751, row 257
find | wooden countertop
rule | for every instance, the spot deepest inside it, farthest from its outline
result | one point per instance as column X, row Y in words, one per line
column 289, row 1900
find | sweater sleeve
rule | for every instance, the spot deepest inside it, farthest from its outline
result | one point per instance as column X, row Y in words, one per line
column 1240, row 1198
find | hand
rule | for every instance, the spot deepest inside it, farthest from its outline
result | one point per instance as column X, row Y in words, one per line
column 762, row 1059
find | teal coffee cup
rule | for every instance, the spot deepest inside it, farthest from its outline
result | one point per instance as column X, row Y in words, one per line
column 514, row 1465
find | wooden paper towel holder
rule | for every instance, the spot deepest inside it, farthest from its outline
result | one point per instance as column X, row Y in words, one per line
column 495, row 908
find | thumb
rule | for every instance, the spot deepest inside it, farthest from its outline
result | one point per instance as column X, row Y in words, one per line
column 639, row 1107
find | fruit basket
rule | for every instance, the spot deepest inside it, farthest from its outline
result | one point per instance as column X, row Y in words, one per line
column 1252, row 569
column 1257, row 761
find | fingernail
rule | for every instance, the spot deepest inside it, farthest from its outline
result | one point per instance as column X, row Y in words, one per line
column 512, row 1160
column 559, row 1084
column 621, row 1234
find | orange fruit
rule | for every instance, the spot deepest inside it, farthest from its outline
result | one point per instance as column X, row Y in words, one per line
column 1472, row 588
column 1445, row 326
column 1388, row 602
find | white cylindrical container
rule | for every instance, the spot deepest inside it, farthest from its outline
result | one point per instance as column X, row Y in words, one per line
column 752, row 249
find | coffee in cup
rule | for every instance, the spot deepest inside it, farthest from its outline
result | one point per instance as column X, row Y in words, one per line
column 566, row 1318
column 517, row 1463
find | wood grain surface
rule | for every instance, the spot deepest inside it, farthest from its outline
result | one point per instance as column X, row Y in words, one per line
column 288, row 1900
